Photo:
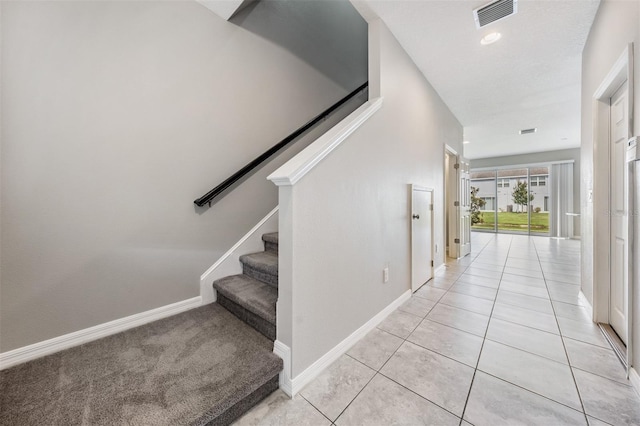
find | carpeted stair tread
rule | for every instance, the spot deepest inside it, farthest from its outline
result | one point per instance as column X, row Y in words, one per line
column 251, row 294
column 200, row 367
column 262, row 266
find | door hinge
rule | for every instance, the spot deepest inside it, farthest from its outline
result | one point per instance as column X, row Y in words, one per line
column 457, row 241
column 456, row 204
column 431, row 207
column 432, row 263
column 456, row 166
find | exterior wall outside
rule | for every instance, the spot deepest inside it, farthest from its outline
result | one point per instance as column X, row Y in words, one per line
column 115, row 117
column 617, row 23
column 487, row 189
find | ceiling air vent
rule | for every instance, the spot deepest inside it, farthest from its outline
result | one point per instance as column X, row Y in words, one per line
column 527, row 131
column 494, row 11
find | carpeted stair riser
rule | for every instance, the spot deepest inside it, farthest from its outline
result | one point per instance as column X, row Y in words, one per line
column 245, row 404
column 259, row 275
column 271, row 247
column 261, row 266
column 271, row 242
column 255, row 321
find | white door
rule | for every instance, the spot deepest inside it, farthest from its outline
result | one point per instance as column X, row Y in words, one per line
column 619, row 211
column 421, row 236
column 464, row 208
column 451, row 209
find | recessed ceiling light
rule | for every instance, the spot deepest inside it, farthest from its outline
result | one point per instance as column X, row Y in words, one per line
column 490, row 38
column 465, row 142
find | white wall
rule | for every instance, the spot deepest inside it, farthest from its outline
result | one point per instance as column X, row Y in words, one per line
column 616, row 24
column 349, row 217
column 116, row 116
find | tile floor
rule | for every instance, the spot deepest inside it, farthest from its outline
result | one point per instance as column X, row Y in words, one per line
column 500, row 337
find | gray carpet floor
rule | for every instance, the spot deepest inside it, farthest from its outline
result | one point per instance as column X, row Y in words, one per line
column 186, row 369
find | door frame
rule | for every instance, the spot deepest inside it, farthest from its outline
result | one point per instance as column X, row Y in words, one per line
column 621, row 71
column 463, row 194
column 414, row 187
column 450, row 196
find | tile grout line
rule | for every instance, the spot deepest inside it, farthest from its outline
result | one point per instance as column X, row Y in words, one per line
column 575, row 383
column 404, row 340
column 532, row 392
column 484, row 339
column 317, row 409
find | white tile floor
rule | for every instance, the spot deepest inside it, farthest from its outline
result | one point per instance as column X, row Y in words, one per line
column 498, row 338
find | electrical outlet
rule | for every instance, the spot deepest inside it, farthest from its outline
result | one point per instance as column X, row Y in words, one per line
column 385, row 275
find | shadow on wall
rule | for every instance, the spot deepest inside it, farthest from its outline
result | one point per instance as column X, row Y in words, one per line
column 331, row 36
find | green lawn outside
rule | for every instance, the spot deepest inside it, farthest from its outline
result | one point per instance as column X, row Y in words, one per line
column 515, row 222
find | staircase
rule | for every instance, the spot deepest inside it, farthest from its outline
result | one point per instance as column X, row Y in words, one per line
column 252, row 295
column 201, row 367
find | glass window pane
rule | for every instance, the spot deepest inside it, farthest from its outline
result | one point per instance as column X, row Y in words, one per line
column 539, row 200
column 483, row 194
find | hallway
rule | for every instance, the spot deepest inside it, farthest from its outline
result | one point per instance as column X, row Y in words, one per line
column 498, row 338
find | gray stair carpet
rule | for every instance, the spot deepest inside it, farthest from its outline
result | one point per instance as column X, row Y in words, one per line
column 271, row 242
column 262, row 266
column 251, row 300
column 201, row 367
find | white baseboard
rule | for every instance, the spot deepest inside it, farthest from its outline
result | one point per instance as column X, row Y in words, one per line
column 439, row 269
column 229, row 263
column 284, row 352
column 291, row 386
column 66, row 341
column 634, row 378
column 586, row 303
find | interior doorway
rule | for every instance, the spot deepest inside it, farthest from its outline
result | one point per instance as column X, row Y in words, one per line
column 449, row 197
column 457, row 204
column 619, row 216
column 613, row 126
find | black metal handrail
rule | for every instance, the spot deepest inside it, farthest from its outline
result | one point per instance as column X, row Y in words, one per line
column 215, row 192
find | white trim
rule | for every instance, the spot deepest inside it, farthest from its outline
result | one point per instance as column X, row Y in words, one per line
column 224, row 9
column 519, row 166
column 293, row 170
column 229, row 263
column 284, row 352
column 621, row 71
column 634, row 378
column 450, row 150
column 296, row 384
column 66, row 341
column 585, row 303
column 616, row 75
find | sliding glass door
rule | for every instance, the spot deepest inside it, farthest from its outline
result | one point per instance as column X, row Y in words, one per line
column 539, row 200
column 483, row 201
column 513, row 196
column 511, row 200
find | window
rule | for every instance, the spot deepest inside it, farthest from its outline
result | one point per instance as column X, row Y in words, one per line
column 538, row 180
column 503, row 183
column 489, row 203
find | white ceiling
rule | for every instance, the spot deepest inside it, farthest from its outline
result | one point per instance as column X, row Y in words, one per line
column 529, row 78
